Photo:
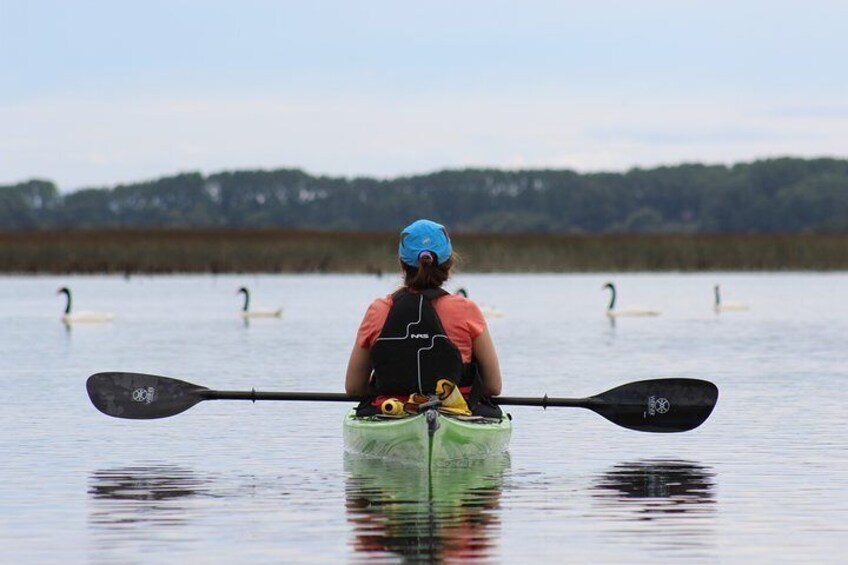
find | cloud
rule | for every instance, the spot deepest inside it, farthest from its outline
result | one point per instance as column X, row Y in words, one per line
column 814, row 112
column 105, row 140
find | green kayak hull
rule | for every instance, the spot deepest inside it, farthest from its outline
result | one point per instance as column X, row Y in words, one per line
column 408, row 440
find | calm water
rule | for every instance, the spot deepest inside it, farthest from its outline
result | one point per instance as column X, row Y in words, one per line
column 764, row 480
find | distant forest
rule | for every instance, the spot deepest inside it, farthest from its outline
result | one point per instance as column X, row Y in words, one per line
column 770, row 196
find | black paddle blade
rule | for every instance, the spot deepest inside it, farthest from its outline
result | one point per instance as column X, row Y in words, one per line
column 141, row 397
column 658, row 405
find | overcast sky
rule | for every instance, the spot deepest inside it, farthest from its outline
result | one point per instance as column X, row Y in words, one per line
column 95, row 93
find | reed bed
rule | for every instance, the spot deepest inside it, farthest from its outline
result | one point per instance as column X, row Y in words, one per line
column 237, row 251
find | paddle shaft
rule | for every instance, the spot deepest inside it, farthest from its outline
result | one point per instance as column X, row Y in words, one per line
column 546, row 401
column 254, row 395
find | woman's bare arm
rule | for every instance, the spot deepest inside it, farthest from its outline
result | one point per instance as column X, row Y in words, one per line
column 487, row 357
column 358, row 371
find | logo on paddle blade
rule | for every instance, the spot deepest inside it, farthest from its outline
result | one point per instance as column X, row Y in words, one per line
column 145, row 395
column 658, row 405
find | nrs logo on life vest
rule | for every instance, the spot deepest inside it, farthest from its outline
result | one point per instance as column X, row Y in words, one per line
column 658, row 405
column 419, row 336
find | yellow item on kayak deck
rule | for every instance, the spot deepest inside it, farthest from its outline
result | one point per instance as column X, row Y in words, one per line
column 452, row 400
column 414, row 401
column 392, row 407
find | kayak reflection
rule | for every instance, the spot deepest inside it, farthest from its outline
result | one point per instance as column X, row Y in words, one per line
column 153, row 495
column 422, row 516
column 653, row 488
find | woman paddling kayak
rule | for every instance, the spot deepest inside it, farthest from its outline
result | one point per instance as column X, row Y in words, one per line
column 420, row 335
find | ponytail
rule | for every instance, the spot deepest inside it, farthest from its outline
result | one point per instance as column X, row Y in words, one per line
column 428, row 274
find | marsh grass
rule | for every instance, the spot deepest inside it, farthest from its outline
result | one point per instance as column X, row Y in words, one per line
column 219, row 251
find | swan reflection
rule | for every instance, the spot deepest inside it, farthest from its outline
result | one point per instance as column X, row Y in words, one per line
column 423, row 516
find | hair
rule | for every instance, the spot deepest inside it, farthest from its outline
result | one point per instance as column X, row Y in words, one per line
column 427, row 274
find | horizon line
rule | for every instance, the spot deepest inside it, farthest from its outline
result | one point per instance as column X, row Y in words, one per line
column 502, row 169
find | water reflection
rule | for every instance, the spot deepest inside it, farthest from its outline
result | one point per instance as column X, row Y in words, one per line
column 443, row 516
column 654, row 488
column 149, row 495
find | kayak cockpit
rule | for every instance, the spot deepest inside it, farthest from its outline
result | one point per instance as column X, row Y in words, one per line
column 426, row 439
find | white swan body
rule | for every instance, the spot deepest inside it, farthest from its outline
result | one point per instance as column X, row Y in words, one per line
column 632, row 311
column 629, row 311
column 81, row 317
column 491, row 312
column 720, row 306
column 246, row 312
column 262, row 313
column 87, row 318
column 487, row 311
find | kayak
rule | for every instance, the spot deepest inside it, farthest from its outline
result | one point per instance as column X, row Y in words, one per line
column 430, row 439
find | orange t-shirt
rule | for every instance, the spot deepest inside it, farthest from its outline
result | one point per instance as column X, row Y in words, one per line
column 460, row 317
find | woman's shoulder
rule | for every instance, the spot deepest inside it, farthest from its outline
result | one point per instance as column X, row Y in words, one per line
column 459, row 303
column 455, row 299
column 382, row 302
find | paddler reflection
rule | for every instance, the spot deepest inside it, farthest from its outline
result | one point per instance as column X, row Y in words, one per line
column 444, row 515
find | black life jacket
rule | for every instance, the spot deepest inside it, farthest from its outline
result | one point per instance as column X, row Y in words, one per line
column 413, row 351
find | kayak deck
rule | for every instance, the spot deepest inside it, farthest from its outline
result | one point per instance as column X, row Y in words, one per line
column 409, row 439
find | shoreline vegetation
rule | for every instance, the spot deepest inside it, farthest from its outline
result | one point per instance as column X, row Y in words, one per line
column 158, row 251
column 774, row 196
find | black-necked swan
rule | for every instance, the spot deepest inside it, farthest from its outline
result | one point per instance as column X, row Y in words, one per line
column 246, row 312
column 81, row 317
column 720, row 306
column 614, row 312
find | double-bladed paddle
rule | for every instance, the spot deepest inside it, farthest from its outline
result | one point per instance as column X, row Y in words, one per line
column 657, row 405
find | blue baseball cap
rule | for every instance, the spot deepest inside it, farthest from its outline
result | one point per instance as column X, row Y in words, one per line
column 421, row 236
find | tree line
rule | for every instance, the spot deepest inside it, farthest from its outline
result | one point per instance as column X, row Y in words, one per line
column 786, row 195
